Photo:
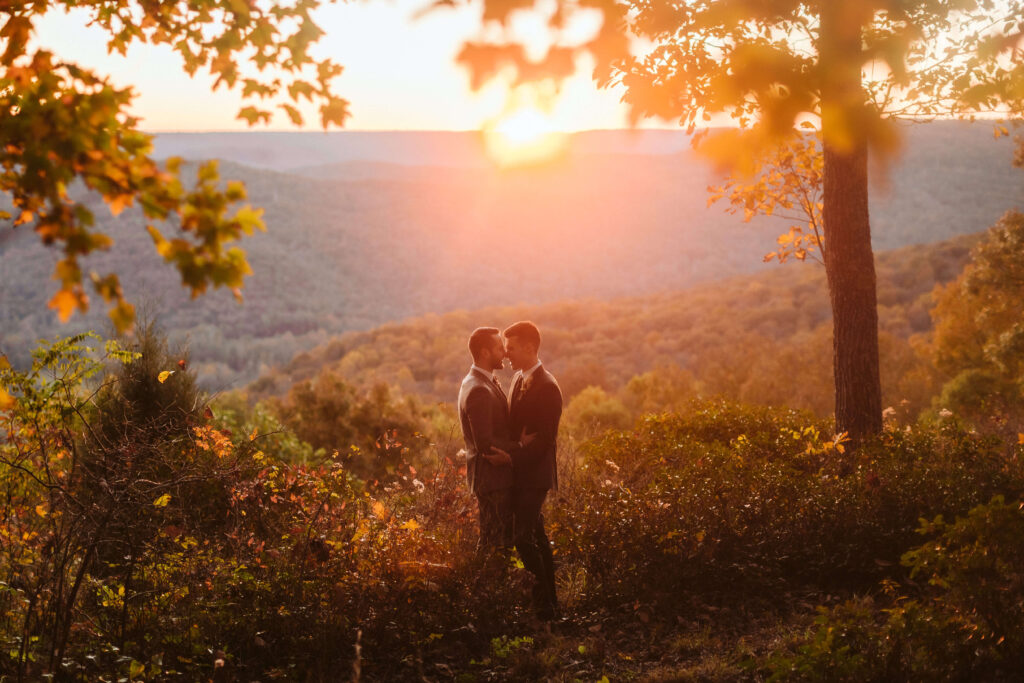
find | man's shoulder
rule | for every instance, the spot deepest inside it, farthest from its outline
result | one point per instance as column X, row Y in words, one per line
column 474, row 387
column 468, row 384
column 547, row 378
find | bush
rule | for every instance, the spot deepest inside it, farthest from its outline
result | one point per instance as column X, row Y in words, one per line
column 147, row 538
column 732, row 500
column 963, row 619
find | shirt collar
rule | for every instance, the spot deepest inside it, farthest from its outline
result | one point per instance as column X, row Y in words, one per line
column 485, row 373
column 529, row 373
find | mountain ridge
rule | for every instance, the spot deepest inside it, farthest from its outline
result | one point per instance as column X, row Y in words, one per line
column 350, row 254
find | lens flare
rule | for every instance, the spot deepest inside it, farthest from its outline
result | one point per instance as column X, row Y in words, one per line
column 524, row 137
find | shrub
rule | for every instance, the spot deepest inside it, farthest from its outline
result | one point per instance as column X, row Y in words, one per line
column 962, row 621
column 732, row 500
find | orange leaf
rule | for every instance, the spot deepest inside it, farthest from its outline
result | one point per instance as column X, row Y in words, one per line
column 65, row 302
column 380, row 510
column 119, row 203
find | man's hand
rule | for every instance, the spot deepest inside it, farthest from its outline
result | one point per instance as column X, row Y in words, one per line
column 525, row 439
column 498, row 457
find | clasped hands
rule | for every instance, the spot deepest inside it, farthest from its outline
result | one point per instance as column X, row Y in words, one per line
column 500, row 457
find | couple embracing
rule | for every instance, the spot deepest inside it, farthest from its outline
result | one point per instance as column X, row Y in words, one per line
column 510, row 449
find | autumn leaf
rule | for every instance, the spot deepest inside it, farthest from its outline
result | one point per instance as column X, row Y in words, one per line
column 6, row 400
column 119, row 203
column 162, row 501
column 380, row 510
column 65, row 302
column 411, row 525
column 162, row 377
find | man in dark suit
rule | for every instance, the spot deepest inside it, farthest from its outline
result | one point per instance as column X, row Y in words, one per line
column 483, row 412
column 535, row 407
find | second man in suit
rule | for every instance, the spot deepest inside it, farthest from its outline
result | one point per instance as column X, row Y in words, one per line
column 535, row 407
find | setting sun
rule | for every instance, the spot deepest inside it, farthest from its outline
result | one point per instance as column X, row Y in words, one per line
column 523, row 137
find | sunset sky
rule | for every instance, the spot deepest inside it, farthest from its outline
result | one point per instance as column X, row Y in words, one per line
column 400, row 74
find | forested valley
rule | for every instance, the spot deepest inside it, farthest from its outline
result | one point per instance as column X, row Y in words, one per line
column 417, row 224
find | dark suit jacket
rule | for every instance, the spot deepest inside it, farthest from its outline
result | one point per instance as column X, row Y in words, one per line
column 483, row 412
column 538, row 409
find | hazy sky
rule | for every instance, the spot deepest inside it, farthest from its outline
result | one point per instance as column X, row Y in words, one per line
column 400, row 74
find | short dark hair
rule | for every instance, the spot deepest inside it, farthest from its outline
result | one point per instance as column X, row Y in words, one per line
column 478, row 340
column 526, row 331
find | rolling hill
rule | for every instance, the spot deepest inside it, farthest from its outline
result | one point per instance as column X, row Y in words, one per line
column 402, row 224
column 763, row 338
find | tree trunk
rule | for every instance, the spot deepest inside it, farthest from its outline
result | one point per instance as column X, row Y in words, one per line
column 849, row 260
column 850, row 267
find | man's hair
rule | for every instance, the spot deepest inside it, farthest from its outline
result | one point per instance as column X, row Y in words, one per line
column 478, row 340
column 526, row 331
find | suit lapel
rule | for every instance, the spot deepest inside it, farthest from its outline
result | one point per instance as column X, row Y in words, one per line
column 534, row 379
column 494, row 386
column 518, row 396
column 513, row 397
column 501, row 392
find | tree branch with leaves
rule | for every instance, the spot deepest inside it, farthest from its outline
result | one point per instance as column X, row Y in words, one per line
column 64, row 124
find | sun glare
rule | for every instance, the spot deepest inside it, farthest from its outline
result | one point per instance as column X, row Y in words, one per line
column 522, row 138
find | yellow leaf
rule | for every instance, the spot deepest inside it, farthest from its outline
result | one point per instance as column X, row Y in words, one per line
column 411, row 525
column 41, row 509
column 162, row 501
column 1020, row 437
column 6, row 400
column 162, row 377
column 123, row 316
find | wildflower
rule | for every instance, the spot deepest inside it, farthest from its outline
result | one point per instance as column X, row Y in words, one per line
column 420, row 487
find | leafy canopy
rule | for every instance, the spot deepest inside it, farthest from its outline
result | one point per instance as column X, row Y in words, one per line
column 978, row 344
column 64, row 124
column 769, row 64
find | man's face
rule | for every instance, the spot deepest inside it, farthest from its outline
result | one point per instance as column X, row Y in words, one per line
column 519, row 353
column 495, row 355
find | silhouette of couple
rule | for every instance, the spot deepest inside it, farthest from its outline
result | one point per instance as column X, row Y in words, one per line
column 510, row 449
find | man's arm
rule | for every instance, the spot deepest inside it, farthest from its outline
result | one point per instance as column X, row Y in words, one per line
column 479, row 407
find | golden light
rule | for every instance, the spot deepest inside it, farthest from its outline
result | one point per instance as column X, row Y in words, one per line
column 524, row 137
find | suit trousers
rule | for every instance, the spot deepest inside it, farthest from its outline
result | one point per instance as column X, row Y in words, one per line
column 532, row 542
column 496, row 521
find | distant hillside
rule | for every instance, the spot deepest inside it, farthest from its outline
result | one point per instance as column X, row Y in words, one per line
column 356, row 244
column 764, row 338
column 285, row 151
